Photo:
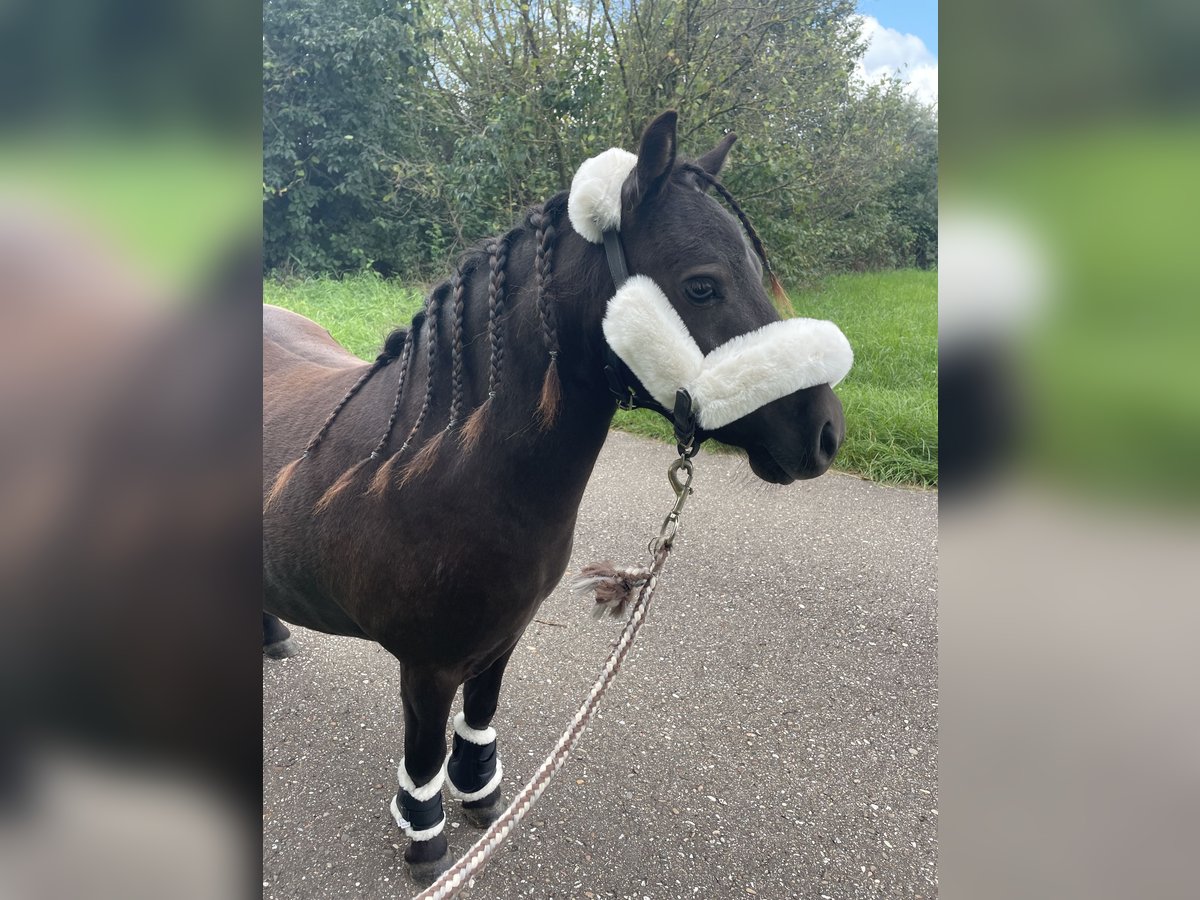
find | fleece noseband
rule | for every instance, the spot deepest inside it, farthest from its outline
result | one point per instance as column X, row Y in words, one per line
column 646, row 337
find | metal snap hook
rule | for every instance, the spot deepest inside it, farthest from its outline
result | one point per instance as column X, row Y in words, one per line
column 681, row 484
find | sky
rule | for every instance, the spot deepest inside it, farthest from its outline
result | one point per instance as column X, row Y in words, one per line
column 902, row 41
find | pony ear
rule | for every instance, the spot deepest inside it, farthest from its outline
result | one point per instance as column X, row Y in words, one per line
column 656, row 155
column 712, row 161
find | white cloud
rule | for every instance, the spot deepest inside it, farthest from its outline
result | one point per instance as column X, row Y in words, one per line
column 903, row 56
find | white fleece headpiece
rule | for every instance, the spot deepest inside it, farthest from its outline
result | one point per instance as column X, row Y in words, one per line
column 594, row 204
column 645, row 331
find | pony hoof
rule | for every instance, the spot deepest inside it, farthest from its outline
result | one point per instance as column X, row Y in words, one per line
column 281, row 649
column 483, row 812
column 427, row 860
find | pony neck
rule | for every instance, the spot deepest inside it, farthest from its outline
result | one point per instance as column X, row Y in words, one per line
column 566, row 450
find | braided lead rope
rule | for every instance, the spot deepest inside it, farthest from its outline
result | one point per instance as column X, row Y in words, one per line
column 459, row 875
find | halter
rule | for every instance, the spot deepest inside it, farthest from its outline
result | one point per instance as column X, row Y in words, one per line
column 648, row 345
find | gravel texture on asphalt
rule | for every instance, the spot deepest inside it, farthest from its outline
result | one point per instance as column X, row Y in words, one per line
column 772, row 734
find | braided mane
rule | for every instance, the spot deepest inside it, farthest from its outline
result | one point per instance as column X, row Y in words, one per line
column 397, row 468
column 497, row 262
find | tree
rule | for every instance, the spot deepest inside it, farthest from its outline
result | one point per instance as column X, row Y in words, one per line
column 338, row 100
column 468, row 111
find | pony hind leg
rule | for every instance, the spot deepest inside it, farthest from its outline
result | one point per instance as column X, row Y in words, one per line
column 417, row 805
column 474, row 768
column 277, row 639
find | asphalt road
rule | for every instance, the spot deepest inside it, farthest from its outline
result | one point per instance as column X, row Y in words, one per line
column 772, row 734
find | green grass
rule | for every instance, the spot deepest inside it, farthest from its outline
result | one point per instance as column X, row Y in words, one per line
column 890, row 396
column 358, row 310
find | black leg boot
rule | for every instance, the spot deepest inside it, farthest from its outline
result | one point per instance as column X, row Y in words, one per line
column 475, row 772
column 418, row 810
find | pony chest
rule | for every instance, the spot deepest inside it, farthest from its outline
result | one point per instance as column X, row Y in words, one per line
column 515, row 559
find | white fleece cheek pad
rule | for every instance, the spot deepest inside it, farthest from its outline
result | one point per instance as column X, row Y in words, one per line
column 744, row 373
column 644, row 330
column 594, row 204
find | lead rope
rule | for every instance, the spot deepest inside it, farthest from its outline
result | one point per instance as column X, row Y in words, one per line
column 460, row 874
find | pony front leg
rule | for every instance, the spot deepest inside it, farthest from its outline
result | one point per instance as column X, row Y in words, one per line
column 417, row 806
column 474, row 768
column 277, row 639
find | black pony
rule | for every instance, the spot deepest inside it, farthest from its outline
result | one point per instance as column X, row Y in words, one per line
column 433, row 509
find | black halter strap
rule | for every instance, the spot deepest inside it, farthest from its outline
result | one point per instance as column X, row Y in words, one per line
column 616, row 257
column 622, row 382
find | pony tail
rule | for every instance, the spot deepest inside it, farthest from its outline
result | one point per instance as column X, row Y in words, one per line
column 423, row 461
column 472, row 431
column 285, row 474
column 551, row 397
column 783, row 302
column 497, row 261
column 383, row 475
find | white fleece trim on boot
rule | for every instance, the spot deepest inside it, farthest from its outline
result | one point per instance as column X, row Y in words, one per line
column 594, row 204
column 425, row 834
column 480, row 736
column 744, row 373
column 425, row 791
column 468, row 796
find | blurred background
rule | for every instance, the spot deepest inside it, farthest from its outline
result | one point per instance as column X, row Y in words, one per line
column 1070, row 426
column 130, row 289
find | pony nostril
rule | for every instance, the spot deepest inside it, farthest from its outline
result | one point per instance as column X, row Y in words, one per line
column 829, row 442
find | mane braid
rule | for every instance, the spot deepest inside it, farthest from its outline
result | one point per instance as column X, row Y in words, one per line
column 348, row 477
column 424, row 459
column 391, row 422
column 383, row 474
column 456, row 350
column 286, row 473
column 781, row 298
column 497, row 263
column 379, row 481
column 551, row 397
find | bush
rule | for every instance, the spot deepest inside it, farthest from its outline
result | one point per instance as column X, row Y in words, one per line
column 397, row 134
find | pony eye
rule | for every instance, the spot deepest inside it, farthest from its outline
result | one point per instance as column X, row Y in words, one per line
column 701, row 291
